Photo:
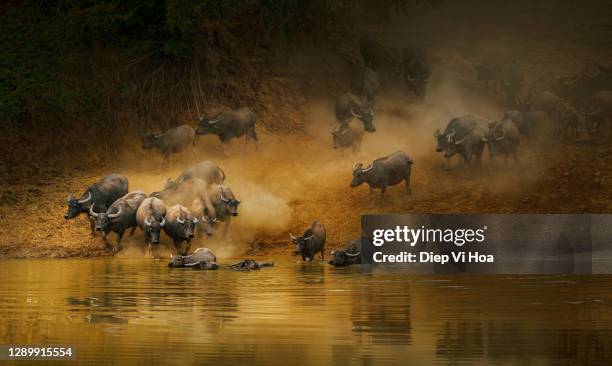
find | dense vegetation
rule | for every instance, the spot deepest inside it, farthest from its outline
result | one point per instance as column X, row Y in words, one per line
column 67, row 61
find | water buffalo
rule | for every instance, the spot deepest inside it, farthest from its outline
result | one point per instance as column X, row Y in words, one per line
column 415, row 70
column 600, row 111
column 349, row 134
column 511, row 81
column 191, row 182
column 119, row 217
column 349, row 105
column 503, row 139
column 348, row 256
column 569, row 119
column 311, row 242
column 487, row 73
column 517, row 117
column 230, row 124
column 202, row 258
column 150, row 218
column 174, row 140
column 365, row 83
column 463, row 135
column 375, row 56
column 383, row 172
column 548, row 102
column 102, row 193
column 249, row 264
column 221, row 205
column 179, row 226
column 538, row 126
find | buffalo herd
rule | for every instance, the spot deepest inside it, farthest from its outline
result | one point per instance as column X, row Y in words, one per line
column 198, row 201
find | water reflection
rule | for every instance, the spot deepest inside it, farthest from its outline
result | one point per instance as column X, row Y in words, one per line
column 139, row 312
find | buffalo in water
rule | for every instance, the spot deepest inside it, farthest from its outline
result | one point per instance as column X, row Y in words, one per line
column 202, row 258
column 348, row 256
column 464, row 136
column 119, row 217
column 150, row 218
column 229, row 125
column 311, row 242
column 174, row 140
column 382, row 173
column 102, row 194
column 348, row 105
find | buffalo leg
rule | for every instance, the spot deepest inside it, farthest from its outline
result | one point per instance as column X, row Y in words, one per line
column 225, row 151
column 408, row 189
column 177, row 246
column 187, row 247
column 382, row 194
column 119, row 237
column 323, row 254
column 132, row 231
column 372, row 197
column 92, row 225
column 105, row 240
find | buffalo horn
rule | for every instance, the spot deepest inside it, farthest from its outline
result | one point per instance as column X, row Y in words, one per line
column 180, row 221
column 355, row 114
column 116, row 214
column 86, row 199
column 91, row 211
column 353, row 254
column 503, row 136
column 163, row 222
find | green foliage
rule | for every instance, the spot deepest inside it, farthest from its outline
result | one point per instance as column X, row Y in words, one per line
column 47, row 63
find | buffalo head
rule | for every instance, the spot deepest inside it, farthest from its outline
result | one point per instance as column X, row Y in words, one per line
column 151, row 140
column 76, row 206
column 341, row 258
column 153, row 228
column 360, row 174
column 103, row 220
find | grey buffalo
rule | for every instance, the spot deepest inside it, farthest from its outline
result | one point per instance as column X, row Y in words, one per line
column 348, row 134
column 348, row 256
column 365, row 83
column 599, row 113
column 250, row 264
column 348, row 105
column 548, row 102
column 187, row 186
column 570, row 120
column 119, row 217
column 180, row 226
column 219, row 205
column 202, row 258
column 415, row 70
column 102, row 193
column 382, row 173
column 518, row 118
column 229, row 125
column 463, row 136
column 538, row 126
column 311, row 242
column 150, row 219
column 511, row 81
column 174, row 140
column 503, row 139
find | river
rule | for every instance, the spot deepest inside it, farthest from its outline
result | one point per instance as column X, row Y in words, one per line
column 120, row 311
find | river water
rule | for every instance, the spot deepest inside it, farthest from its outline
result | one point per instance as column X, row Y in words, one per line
column 125, row 312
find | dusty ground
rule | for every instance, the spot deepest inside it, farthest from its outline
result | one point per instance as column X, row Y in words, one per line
column 296, row 178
